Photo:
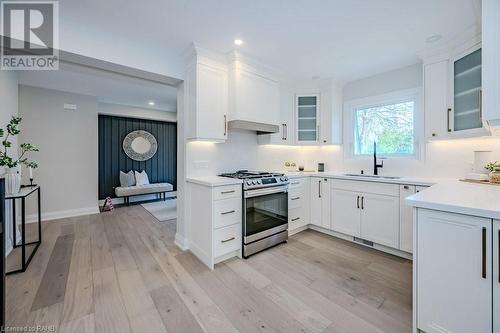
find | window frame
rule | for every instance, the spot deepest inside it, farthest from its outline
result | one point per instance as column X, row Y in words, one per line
column 401, row 96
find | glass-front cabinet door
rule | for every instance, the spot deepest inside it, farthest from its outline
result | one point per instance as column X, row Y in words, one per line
column 466, row 111
column 307, row 115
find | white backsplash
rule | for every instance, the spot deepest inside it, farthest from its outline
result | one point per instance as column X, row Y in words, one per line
column 443, row 159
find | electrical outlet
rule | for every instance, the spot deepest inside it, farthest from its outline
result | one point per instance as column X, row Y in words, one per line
column 201, row 164
column 71, row 107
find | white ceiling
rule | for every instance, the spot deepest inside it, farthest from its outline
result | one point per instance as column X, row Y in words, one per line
column 338, row 39
column 107, row 87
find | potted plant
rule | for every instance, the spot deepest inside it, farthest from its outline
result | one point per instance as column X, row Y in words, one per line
column 494, row 169
column 9, row 164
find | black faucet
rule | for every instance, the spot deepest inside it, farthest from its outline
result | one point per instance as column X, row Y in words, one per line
column 375, row 164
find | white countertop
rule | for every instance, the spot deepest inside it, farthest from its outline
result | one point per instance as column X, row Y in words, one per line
column 460, row 197
column 213, row 181
column 342, row 175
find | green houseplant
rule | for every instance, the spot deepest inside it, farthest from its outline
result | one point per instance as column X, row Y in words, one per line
column 12, row 177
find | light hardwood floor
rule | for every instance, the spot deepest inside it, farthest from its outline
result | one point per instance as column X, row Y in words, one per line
column 121, row 272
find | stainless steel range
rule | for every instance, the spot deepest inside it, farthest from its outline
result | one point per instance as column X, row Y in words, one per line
column 265, row 209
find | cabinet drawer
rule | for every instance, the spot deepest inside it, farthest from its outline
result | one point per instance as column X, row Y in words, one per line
column 227, row 212
column 227, row 240
column 225, row 192
column 297, row 182
column 296, row 218
column 295, row 198
column 366, row 187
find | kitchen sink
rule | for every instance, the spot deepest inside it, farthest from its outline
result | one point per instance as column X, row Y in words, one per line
column 370, row 176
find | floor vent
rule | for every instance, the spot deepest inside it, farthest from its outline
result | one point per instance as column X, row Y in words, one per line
column 363, row 241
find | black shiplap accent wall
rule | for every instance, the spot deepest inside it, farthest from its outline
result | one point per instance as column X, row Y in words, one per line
column 162, row 167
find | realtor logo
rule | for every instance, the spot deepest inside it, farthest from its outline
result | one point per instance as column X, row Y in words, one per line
column 29, row 35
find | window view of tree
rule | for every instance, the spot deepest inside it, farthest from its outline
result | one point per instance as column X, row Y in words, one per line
column 391, row 126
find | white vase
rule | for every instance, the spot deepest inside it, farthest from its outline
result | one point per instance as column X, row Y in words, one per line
column 12, row 181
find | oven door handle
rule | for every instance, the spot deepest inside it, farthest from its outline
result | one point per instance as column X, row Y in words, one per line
column 265, row 191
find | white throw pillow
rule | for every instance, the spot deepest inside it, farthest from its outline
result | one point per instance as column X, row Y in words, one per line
column 127, row 179
column 141, row 178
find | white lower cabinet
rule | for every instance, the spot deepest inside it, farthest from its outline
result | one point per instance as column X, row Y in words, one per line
column 370, row 211
column 453, row 273
column 298, row 203
column 380, row 219
column 346, row 213
column 406, row 217
column 496, row 276
column 215, row 225
column 320, row 202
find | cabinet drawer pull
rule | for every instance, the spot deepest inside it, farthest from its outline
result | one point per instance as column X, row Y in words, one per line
column 295, row 183
column 319, row 189
column 225, row 125
column 448, row 120
column 296, row 219
column 227, row 192
column 483, row 273
column 357, row 201
column 406, row 187
column 363, row 202
column 228, row 212
column 481, row 105
column 228, row 240
column 297, row 198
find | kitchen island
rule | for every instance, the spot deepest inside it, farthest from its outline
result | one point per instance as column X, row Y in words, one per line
column 456, row 258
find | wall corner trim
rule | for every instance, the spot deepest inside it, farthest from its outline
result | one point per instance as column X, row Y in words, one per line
column 181, row 242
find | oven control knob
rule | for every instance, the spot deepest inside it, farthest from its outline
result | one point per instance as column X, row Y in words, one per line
column 259, row 181
column 249, row 182
column 254, row 182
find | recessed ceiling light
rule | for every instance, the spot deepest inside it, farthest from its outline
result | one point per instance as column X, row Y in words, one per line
column 238, row 42
column 151, row 103
column 433, row 38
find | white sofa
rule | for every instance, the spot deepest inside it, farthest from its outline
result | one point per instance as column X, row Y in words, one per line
column 130, row 191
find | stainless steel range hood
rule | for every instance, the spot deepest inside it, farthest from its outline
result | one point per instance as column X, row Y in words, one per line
column 259, row 128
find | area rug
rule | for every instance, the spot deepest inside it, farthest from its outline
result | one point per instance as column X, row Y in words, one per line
column 162, row 210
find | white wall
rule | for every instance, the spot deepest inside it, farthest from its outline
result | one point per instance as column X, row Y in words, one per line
column 9, row 100
column 399, row 79
column 67, row 140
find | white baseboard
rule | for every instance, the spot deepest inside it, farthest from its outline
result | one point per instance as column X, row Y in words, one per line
column 201, row 255
column 297, row 230
column 181, row 242
column 32, row 218
column 349, row 238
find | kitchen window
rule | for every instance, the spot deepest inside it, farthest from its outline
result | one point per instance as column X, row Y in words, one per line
column 388, row 120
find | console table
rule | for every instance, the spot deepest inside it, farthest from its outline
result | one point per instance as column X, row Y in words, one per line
column 22, row 195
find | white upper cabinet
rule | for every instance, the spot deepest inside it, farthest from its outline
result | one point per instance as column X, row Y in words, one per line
column 205, row 95
column 436, row 99
column 465, row 114
column 286, row 124
column 254, row 94
column 453, row 94
column 307, row 115
column 491, row 63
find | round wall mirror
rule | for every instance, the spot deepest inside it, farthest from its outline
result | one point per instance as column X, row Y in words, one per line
column 140, row 145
